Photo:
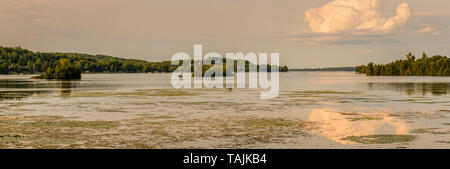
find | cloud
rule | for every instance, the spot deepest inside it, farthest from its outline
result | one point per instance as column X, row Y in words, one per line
column 354, row 15
column 428, row 30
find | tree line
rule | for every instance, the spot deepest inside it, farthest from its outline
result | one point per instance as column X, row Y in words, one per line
column 425, row 66
column 19, row 60
column 328, row 69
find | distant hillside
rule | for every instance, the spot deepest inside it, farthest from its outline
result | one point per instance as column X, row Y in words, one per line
column 330, row 69
column 19, row 60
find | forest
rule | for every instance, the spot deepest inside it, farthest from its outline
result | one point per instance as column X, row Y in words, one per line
column 425, row 66
column 18, row 60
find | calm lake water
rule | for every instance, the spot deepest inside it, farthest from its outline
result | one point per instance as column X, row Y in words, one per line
column 313, row 110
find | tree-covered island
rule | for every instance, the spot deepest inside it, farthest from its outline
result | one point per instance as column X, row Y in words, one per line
column 64, row 70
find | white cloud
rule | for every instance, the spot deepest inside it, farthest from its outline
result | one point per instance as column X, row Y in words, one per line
column 354, row 16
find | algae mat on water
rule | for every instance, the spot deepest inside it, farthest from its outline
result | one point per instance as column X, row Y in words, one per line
column 380, row 139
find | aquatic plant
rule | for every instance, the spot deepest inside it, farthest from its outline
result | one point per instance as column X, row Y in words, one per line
column 380, row 139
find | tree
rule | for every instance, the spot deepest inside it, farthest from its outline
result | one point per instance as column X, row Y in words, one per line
column 370, row 69
column 411, row 57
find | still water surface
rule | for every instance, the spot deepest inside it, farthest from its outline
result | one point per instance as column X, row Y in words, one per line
column 313, row 110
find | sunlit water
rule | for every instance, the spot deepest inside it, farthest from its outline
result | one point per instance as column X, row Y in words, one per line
column 335, row 104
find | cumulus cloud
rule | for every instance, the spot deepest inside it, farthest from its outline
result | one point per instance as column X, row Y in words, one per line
column 354, row 16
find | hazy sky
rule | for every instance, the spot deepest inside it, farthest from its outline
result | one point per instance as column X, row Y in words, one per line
column 306, row 33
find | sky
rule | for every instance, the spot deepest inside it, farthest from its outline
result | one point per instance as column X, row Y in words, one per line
column 306, row 33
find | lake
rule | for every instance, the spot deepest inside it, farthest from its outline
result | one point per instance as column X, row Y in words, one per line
column 313, row 110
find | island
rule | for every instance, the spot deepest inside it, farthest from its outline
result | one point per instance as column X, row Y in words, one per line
column 426, row 66
column 64, row 70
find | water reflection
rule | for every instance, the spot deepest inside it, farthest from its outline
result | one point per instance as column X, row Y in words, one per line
column 16, row 89
column 341, row 105
column 337, row 125
column 22, row 84
column 66, row 87
column 410, row 88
